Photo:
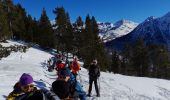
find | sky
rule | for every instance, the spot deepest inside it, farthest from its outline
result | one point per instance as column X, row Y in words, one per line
column 103, row 10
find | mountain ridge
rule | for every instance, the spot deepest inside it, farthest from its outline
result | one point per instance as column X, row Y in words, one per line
column 152, row 31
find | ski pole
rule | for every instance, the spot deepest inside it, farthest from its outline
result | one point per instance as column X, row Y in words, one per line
column 99, row 83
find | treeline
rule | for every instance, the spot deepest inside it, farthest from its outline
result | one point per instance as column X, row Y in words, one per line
column 80, row 38
column 16, row 24
column 142, row 60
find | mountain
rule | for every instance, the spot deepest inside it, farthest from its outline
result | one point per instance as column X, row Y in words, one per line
column 109, row 31
column 153, row 31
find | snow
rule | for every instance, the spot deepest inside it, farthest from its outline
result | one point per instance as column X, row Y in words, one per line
column 11, row 43
column 110, row 31
column 112, row 86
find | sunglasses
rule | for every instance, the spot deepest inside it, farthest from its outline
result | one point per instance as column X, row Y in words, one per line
column 28, row 86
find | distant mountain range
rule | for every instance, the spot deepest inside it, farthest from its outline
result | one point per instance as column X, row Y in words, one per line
column 109, row 31
column 152, row 31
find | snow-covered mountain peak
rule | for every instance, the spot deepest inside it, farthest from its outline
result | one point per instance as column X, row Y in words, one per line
column 105, row 25
column 151, row 18
column 124, row 22
column 152, row 31
column 119, row 29
column 167, row 15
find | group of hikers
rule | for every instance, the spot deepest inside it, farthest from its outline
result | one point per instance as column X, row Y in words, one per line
column 65, row 87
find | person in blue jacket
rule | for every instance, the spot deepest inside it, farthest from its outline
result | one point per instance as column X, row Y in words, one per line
column 76, row 89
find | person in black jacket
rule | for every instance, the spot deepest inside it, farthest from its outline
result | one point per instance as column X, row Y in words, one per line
column 94, row 73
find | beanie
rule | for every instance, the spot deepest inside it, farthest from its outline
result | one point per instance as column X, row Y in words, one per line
column 25, row 79
column 64, row 73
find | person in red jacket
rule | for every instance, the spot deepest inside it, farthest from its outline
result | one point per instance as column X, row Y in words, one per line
column 75, row 66
column 59, row 65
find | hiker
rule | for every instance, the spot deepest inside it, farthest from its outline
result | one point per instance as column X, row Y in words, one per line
column 59, row 66
column 94, row 73
column 22, row 88
column 75, row 88
column 50, row 65
column 75, row 67
column 61, row 89
column 60, row 57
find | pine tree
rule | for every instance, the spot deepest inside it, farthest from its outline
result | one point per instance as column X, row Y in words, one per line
column 36, row 32
column 29, row 29
column 64, row 30
column 61, row 21
column 46, row 31
column 86, row 48
column 4, row 29
column 68, row 37
column 98, row 46
column 126, row 60
column 92, row 46
column 159, row 56
column 9, row 8
column 18, row 24
column 140, row 58
column 77, row 41
column 115, row 66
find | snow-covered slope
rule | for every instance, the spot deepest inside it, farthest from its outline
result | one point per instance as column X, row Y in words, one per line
column 110, row 31
column 112, row 86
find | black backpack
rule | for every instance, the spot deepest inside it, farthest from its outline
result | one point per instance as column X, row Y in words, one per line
column 35, row 95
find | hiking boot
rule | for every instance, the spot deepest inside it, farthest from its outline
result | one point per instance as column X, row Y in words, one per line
column 98, row 95
column 88, row 95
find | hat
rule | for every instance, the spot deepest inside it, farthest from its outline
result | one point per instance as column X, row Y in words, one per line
column 63, row 72
column 25, row 79
column 61, row 88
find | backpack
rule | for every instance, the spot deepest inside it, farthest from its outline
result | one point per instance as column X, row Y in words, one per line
column 34, row 95
column 75, row 66
column 50, row 95
column 60, row 65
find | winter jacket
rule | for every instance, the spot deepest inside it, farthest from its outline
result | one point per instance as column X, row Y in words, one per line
column 94, row 71
column 17, row 93
column 50, row 95
column 75, row 87
column 60, row 66
column 75, row 67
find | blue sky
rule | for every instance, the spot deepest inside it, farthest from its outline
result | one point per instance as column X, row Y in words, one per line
column 103, row 10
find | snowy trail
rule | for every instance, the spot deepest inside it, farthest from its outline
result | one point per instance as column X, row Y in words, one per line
column 112, row 86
